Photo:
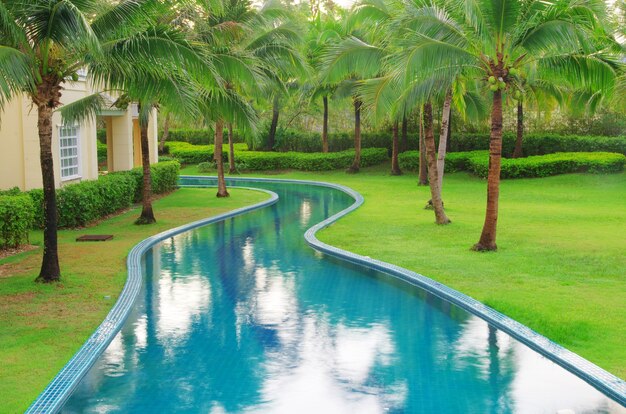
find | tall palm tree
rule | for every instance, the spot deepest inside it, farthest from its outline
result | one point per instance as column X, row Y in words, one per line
column 44, row 43
column 323, row 29
column 491, row 40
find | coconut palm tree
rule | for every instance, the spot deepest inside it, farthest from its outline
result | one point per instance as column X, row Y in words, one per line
column 44, row 43
column 491, row 40
column 323, row 29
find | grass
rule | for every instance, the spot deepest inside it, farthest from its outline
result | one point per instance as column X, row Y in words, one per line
column 44, row 325
column 560, row 266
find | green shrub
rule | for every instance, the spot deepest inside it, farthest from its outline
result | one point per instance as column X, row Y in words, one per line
column 102, row 152
column 534, row 144
column 164, row 178
column 455, row 161
column 16, row 219
column 552, row 164
column 197, row 136
column 477, row 162
column 194, row 154
column 205, row 167
column 101, row 135
column 81, row 203
column 264, row 161
column 541, row 144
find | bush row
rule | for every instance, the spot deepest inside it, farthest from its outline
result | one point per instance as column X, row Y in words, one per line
column 17, row 213
column 81, row 203
column 534, row 144
column 477, row 162
column 541, row 144
column 263, row 161
column 194, row 154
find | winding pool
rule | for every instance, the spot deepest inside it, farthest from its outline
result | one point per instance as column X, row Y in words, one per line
column 244, row 316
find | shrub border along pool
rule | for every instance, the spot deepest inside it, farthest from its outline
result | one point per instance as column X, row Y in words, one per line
column 61, row 387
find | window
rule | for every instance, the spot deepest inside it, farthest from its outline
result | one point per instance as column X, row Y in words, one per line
column 68, row 145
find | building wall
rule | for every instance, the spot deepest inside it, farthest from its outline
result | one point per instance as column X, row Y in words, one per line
column 19, row 160
column 19, row 140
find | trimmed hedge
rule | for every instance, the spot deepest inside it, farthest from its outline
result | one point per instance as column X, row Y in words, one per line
column 81, row 203
column 187, row 153
column 264, row 161
column 197, row 136
column 289, row 140
column 534, row 144
column 17, row 213
column 477, row 162
column 541, row 144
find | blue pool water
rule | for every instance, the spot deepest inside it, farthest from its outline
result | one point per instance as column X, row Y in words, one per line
column 243, row 316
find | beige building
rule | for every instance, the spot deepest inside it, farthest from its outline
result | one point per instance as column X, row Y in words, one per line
column 73, row 146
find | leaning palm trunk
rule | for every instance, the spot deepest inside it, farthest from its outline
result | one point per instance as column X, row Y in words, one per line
column 147, row 215
column 356, row 164
column 50, row 270
column 488, row 236
column 231, row 150
column 443, row 139
column 429, row 140
column 166, row 132
column 517, row 153
column 395, row 166
column 325, row 126
column 219, row 160
column 423, row 170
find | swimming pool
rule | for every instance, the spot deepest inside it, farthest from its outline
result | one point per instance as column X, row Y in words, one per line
column 243, row 316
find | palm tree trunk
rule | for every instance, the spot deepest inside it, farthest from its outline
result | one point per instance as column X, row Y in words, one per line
column 517, row 153
column 356, row 164
column 443, row 139
column 325, row 126
column 219, row 160
column 50, row 270
column 271, row 139
column 429, row 140
column 231, row 150
column 166, row 132
column 395, row 166
column 488, row 236
column 147, row 215
column 423, row 170
column 405, row 134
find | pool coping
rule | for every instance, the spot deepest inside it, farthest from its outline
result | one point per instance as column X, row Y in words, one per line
column 56, row 393
column 605, row 382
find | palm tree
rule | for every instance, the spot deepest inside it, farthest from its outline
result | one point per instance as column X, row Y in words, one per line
column 323, row 29
column 352, row 59
column 491, row 41
column 44, row 43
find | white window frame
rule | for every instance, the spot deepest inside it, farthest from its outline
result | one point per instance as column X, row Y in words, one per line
column 78, row 174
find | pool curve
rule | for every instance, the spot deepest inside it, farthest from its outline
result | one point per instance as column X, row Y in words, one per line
column 62, row 386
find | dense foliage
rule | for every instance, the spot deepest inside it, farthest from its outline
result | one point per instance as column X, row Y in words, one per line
column 264, row 161
column 82, row 203
column 16, row 219
column 477, row 162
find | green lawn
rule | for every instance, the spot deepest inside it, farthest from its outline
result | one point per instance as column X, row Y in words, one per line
column 561, row 261
column 42, row 326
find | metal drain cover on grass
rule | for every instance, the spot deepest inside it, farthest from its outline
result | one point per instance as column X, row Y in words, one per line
column 94, row 237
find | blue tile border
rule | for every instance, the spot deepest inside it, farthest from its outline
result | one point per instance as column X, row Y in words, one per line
column 599, row 378
column 53, row 397
column 60, row 388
